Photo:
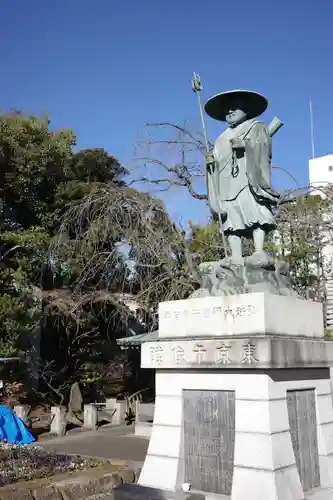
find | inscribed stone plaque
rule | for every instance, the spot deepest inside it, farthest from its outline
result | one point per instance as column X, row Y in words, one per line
column 209, row 440
column 303, row 430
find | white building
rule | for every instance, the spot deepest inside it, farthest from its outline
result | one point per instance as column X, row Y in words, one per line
column 321, row 171
column 321, row 174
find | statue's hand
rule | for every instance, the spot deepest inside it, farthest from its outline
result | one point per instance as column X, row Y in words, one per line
column 210, row 158
column 210, row 161
column 237, row 143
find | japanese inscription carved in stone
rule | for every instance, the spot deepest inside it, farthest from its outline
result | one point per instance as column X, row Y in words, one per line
column 236, row 311
column 203, row 353
column 303, row 430
column 209, row 440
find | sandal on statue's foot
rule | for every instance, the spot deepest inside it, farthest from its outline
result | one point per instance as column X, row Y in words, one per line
column 260, row 259
column 232, row 261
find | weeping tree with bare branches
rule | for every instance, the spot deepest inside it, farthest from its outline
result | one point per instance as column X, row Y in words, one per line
column 120, row 242
column 119, row 249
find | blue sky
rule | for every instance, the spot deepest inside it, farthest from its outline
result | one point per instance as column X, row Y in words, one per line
column 105, row 68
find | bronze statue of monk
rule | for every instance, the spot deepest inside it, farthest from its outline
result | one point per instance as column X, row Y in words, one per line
column 239, row 185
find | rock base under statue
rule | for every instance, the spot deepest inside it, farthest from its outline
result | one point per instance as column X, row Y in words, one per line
column 222, row 278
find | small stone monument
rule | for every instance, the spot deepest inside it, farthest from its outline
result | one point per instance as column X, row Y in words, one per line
column 75, row 404
column 90, row 417
column 243, row 406
column 58, row 420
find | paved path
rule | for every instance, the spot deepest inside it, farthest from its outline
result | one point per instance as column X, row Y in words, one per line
column 108, row 442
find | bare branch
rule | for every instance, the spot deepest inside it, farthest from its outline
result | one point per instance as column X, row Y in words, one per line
column 277, row 167
column 49, row 374
column 188, row 150
column 123, row 240
column 183, row 131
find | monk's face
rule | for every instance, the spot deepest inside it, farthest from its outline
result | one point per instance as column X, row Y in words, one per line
column 235, row 115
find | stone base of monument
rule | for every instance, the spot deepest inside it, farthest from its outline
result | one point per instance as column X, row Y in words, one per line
column 268, row 433
column 138, row 492
column 240, row 416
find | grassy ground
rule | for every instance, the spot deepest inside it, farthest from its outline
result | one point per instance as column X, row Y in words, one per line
column 22, row 463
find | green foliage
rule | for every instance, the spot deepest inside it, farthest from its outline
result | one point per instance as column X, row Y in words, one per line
column 205, row 241
column 17, row 319
column 32, row 159
column 328, row 334
column 42, row 178
column 23, row 252
column 304, row 229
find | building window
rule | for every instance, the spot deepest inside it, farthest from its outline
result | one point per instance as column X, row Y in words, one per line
column 330, row 168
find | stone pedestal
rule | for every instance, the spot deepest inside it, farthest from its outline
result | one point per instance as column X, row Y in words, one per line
column 243, row 400
column 118, row 409
column 22, row 412
column 90, row 417
column 58, row 420
column 231, row 433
